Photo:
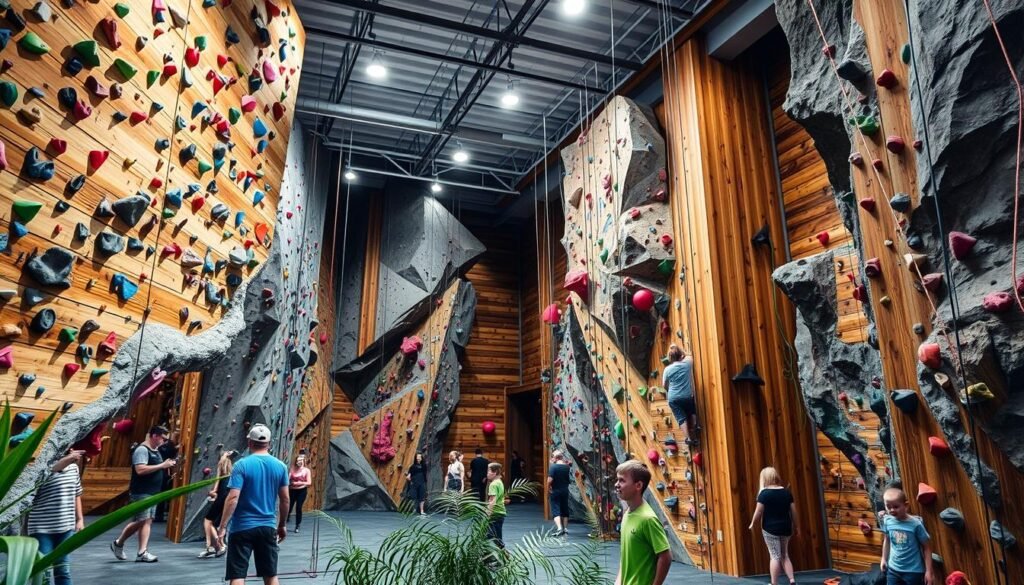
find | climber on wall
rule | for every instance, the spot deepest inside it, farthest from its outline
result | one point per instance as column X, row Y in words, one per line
column 678, row 381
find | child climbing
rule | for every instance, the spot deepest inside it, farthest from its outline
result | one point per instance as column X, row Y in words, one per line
column 906, row 550
column 495, row 503
column 678, row 381
column 777, row 512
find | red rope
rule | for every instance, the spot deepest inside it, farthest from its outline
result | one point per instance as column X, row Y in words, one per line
column 1020, row 127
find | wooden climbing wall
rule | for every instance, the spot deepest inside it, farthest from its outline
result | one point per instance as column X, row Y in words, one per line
column 723, row 191
column 810, row 210
column 135, row 163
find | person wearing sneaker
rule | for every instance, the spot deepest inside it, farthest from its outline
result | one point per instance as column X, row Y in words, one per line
column 147, row 480
column 678, row 381
column 559, row 475
column 258, row 482
column 218, row 495
column 299, row 478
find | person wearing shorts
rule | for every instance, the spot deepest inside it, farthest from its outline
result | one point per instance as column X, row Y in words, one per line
column 256, row 511
column 559, row 475
column 777, row 512
column 147, row 480
column 678, row 382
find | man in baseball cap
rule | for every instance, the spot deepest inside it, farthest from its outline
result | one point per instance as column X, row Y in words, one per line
column 258, row 482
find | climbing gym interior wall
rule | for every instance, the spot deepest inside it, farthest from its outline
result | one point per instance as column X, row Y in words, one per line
column 144, row 155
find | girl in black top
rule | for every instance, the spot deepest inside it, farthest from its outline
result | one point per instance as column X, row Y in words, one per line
column 777, row 512
column 417, row 477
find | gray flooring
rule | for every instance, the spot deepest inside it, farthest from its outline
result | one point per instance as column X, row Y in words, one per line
column 178, row 564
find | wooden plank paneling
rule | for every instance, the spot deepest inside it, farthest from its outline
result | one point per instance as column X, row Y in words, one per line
column 371, row 276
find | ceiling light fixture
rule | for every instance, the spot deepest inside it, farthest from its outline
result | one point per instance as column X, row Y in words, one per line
column 460, row 155
column 376, row 68
column 350, row 175
column 510, row 99
column 436, row 187
column 573, row 7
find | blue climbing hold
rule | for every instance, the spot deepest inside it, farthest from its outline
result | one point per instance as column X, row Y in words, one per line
column 173, row 197
column 125, row 288
column 259, row 129
column 262, row 145
column 257, row 197
column 5, row 37
column 74, row 66
column 197, row 108
column 179, row 123
column 212, row 294
column 18, row 230
column 36, row 167
column 234, row 280
column 239, row 218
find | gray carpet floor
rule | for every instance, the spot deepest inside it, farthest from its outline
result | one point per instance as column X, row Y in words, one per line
column 178, row 564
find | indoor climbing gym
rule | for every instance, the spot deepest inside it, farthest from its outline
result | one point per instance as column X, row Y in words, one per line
column 512, row 292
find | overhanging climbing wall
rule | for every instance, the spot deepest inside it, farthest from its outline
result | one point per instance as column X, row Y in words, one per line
column 144, row 148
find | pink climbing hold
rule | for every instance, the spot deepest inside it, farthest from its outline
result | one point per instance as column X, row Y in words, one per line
column 930, row 355
column 3, row 156
column 957, row 578
column 323, row 338
column 71, row 369
column 172, row 249
column 932, row 281
column 109, row 345
column 124, row 426
column 895, row 144
column 488, row 427
column 652, row 456
column 643, row 300
column 92, row 443
column 634, row 213
column 961, row 244
column 886, row 79
column 151, row 383
column 552, row 314
column 411, row 345
column 823, row 237
column 938, row 447
column 577, row 281
column 873, row 268
column 865, row 528
column 158, row 6
column 666, row 240
column 207, row 471
column 868, row 204
column 926, row 494
column 7, row 357
column 997, row 302
column 269, row 73
column 248, row 103
column 382, row 450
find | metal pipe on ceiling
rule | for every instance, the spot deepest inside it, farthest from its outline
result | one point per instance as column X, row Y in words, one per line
column 440, row 181
column 414, row 157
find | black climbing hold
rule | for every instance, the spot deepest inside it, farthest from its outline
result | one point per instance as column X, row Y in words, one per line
column 103, row 208
column 313, row 357
column 130, row 209
column 232, row 36
column 915, row 241
column 89, row 327
column 135, row 245
column 61, row 206
column 220, row 212
column 186, row 154
column 16, row 20
column 1000, row 534
column 762, row 237
column 109, row 243
column 878, row 405
column 26, row 379
column 32, row 297
column 900, row 202
column 67, row 97
column 81, row 232
column 75, row 185
column 953, row 518
column 748, row 374
column 905, row 400
column 74, row 66
column 43, row 321
column 51, row 268
column 119, row 116
column 295, row 360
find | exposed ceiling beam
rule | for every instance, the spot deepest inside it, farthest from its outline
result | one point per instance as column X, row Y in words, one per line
column 313, row 31
column 660, row 5
column 460, row 185
column 487, row 33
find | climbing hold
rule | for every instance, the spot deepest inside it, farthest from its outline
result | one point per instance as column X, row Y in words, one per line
column 915, row 241
column 220, row 212
column 52, row 268
column 109, row 26
column 258, row 128
column 67, row 334
column 961, row 244
column 26, row 210
column 976, row 393
column 1001, row 535
column 762, row 237
column 7, row 357
column 109, row 345
column 26, row 379
column 150, row 383
column 123, row 426
column 97, row 158
column 33, row 44
column 932, row 281
column 643, row 300
column 43, row 321
column 121, row 9
column 620, row 431
column 748, row 374
column 109, row 243
column 868, row 125
column 886, row 79
column 873, row 268
column 895, row 144
column 98, row 372
column 868, row 204
column 698, row 459
column 577, row 281
column 905, row 400
column 70, row 369
column 488, row 427
column 36, row 167
column 865, row 528
column 552, row 314
column 997, row 302
column 953, row 518
column 938, row 447
column 130, row 209
column 8, row 93
column 177, row 18
column 124, row 288
column 930, row 355
column 9, row 331
column 926, row 494
column 900, row 202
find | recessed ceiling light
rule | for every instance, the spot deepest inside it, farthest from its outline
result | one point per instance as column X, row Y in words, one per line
column 460, row 156
column 350, row 175
column 510, row 98
column 376, row 68
column 436, row 187
column 573, row 7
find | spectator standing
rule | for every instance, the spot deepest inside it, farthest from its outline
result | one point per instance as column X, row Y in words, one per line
column 299, row 479
column 258, row 482
column 906, row 550
column 417, row 476
column 56, row 512
column 644, row 558
column 496, row 510
column 478, row 475
column 455, row 480
column 777, row 511
column 147, row 480
column 218, row 495
column 559, row 475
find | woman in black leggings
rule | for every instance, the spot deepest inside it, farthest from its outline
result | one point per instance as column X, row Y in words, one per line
column 299, row 479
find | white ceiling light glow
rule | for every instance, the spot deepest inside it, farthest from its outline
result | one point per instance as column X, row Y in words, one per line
column 460, row 156
column 350, row 175
column 510, row 98
column 376, row 68
column 436, row 187
column 573, row 7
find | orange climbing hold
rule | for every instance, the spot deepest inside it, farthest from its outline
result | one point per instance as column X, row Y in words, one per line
column 930, row 355
column 938, row 447
column 926, row 494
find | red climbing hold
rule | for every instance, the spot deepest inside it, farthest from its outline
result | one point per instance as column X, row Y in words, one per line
column 652, row 456
column 886, row 79
column 895, row 144
column 109, row 26
column 873, row 268
column 643, row 300
column 172, row 249
column 71, row 369
column 170, row 69
column 860, row 293
column 878, row 164
column 278, row 110
column 137, row 117
column 81, row 110
column 868, row 204
column 957, row 578
column 997, row 302
column 109, row 345
column 926, row 494
column 207, row 471
column 97, row 158
column 222, row 60
column 92, row 443
column 823, row 237
column 411, row 345
column 197, row 203
column 698, row 459
column 577, row 281
column 191, row 56
column 961, row 244
column 552, row 314
column 865, row 528
column 634, row 213
column 155, row 183
column 488, row 427
column 57, row 146
column 938, row 447
column 930, row 355
column 856, row 159
column 323, row 338
column 124, row 426
column 932, row 281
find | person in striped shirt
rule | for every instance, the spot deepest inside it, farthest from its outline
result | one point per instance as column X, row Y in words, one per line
column 56, row 512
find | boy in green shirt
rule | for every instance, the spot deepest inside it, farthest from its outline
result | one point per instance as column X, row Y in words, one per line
column 644, row 558
column 495, row 503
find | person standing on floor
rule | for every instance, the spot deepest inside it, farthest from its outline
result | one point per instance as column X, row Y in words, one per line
column 517, row 468
column 455, row 480
column 258, row 482
column 496, row 510
column 56, row 512
column 644, row 558
column 147, row 480
column 906, row 550
column 478, row 475
column 417, row 477
column 218, row 495
column 559, row 475
column 299, row 479
column 169, row 450
column 678, row 382
column 777, row 511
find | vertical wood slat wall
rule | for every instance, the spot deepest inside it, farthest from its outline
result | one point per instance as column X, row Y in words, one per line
column 723, row 191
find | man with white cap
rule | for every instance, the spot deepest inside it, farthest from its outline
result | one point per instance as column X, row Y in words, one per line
column 257, row 483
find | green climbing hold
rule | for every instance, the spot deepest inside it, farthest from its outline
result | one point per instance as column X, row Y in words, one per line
column 905, row 54
column 97, row 372
column 33, row 44
column 291, row 32
column 8, row 93
column 600, row 241
column 636, row 423
column 121, row 9
column 151, row 76
column 642, row 391
column 620, row 432
column 227, row 234
column 667, row 265
column 127, row 69
column 169, row 213
column 664, row 360
column 204, row 167
column 618, row 392
column 26, row 210
column 867, row 125
column 604, row 255
column 89, row 52
column 68, row 334
column 234, row 114
column 200, row 42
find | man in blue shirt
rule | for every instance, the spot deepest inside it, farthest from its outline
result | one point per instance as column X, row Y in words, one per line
column 257, row 482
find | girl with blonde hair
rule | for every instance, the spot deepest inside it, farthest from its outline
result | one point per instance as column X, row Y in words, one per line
column 218, row 495
column 456, row 473
column 777, row 511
